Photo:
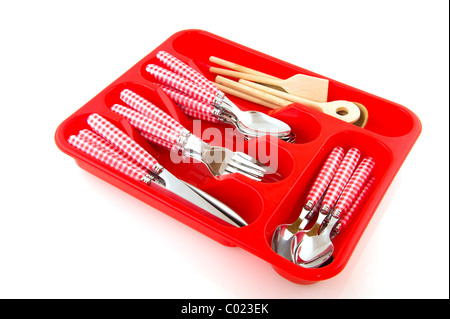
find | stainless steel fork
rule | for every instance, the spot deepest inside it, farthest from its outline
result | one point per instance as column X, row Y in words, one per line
column 221, row 161
column 158, row 127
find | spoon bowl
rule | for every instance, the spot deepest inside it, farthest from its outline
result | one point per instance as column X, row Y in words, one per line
column 286, row 237
column 313, row 250
column 254, row 122
column 282, row 240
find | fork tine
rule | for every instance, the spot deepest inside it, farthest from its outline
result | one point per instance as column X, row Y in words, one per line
column 244, row 168
column 251, row 164
column 250, row 161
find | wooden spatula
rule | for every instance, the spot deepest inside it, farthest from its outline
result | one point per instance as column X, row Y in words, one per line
column 309, row 87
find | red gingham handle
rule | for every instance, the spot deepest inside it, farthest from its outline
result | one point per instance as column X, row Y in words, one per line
column 148, row 109
column 187, row 101
column 325, row 175
column 103, row 144
column 199, row 115
column 93, row 138
column 180, row 83
column 186, row 71
column 354, row 186
column 190, row 106
column 147, row 125
column 116, row 162
column 153, row 139
column 345, row 217
column 340, row 179
column 123, row 142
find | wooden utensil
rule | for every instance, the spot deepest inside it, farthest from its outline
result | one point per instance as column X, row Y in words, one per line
column 247, row 97
column 309, row 87
column 343, row 110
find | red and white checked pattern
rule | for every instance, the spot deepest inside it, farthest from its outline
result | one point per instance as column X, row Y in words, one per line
column 155, row 140
column 149, row 109
column 188, row 102
column 340, row 179
column 111, row 159
column 345, row 217
column 325, row 175
column 93, row 138
column 178, row 82
column 199, row 115
column 186, row 71
column 148, row 125
column 354, row 186
column 123, row 142
column 190, row 106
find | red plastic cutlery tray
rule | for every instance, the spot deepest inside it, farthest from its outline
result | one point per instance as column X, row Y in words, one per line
column 388, row 139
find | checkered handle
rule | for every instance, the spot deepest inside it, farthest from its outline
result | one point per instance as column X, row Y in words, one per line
column 198, row 115
column 186, row 71
column 109, row 158
column 153, row 139
column 354, row 186
column 93, row 138
column 324, row 177
column 149, row 109
column 161, row 131
column 345, row 217
column 123, row 142
column 181, row 84
column 340, row 179
column 190, row 106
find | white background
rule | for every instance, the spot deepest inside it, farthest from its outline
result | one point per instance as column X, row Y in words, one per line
column 67, row 234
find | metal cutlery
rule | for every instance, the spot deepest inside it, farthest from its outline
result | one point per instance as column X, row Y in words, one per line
column 334, row 190
column 201, row 110
column 313, row 250
column 326, row 190
column 158, row 127
column 114, row 148
column 185, row 79
column 284, row 234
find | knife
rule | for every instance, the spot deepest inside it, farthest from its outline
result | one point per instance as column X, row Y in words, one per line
column 113, row 147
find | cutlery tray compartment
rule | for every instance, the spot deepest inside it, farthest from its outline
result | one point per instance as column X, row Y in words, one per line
column 389, row 135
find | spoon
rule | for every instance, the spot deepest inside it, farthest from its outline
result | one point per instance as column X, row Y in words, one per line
column 336, row 186
column 250, row 122
column 312, row 249
column 255, row 122
column 191, row 82
column 283, row 235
